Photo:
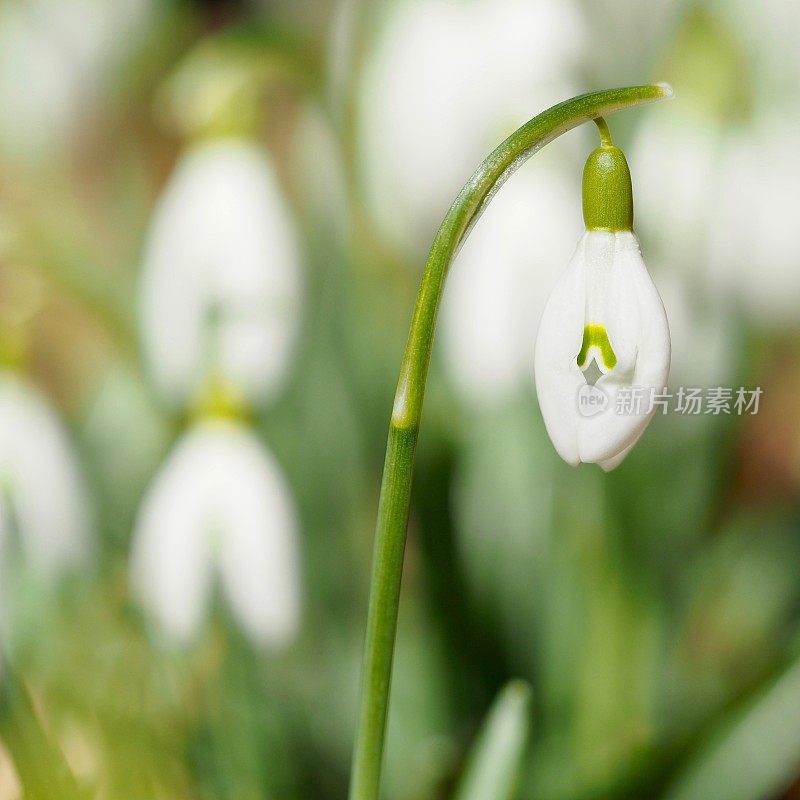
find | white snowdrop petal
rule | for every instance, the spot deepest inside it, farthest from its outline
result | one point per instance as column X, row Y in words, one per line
column 258, row 553
column 494, row 298
column 49, row 504
column 171, row 560
column 637, row 328
column 611, row 272
column 558, row 377
column 612, row 463
column 244, row 345
column 221, row 275
column 219, row 501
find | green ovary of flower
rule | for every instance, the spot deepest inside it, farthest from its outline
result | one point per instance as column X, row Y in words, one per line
column 595, row 336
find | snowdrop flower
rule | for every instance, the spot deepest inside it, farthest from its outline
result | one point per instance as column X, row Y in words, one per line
column 45, row 503
column 221, row 282
column 55, row 59
column 219, row 507
column 434, row 97
column 604, row 332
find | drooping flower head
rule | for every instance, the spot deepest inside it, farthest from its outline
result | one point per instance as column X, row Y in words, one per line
column 221, row 276
column 603, row 345
column 219, row 511
column 43, row 498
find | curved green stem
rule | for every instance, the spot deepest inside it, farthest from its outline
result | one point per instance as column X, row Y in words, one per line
column 605, row 133
column 395, row 497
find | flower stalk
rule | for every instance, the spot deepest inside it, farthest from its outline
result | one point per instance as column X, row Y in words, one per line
column 395, row 496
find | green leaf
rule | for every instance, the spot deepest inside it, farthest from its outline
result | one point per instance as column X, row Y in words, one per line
column 40, row 765
column 754, row 754
column 493, row 767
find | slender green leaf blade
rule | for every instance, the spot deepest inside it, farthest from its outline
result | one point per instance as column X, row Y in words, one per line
column 493, row 767
column 755, row 754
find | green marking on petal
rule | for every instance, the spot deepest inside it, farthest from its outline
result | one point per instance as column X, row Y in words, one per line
column 595, row 336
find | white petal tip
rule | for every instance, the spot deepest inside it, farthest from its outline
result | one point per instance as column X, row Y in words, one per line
column 572, row 460
column 666, row 89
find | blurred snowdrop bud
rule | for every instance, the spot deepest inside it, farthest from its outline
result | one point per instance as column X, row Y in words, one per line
column 221, row 276
column 494, row 301
column 752, row 248
column 604, row 332
column 445, row 82
column 55, row 57
column 45, row 503
column 219, row 507
column 702, row 330
column 676, row 159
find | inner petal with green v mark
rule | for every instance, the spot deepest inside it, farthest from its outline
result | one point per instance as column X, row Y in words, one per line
column 595, row 340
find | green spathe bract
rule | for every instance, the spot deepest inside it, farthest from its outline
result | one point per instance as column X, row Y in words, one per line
column 607, row 191
column 390, row 535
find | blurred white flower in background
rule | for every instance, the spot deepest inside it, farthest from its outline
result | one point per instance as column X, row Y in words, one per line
column 716, row 177
column 219, row 507
column 753, row 233
column 643, row 27
column 722, row 207
column 494, row 298
column 675, row 162
column 770, row 31
column 45, row 505
column 704, row 333
column 56, row 57
column 221, row 287
column 221, row 295
column 446, row 82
